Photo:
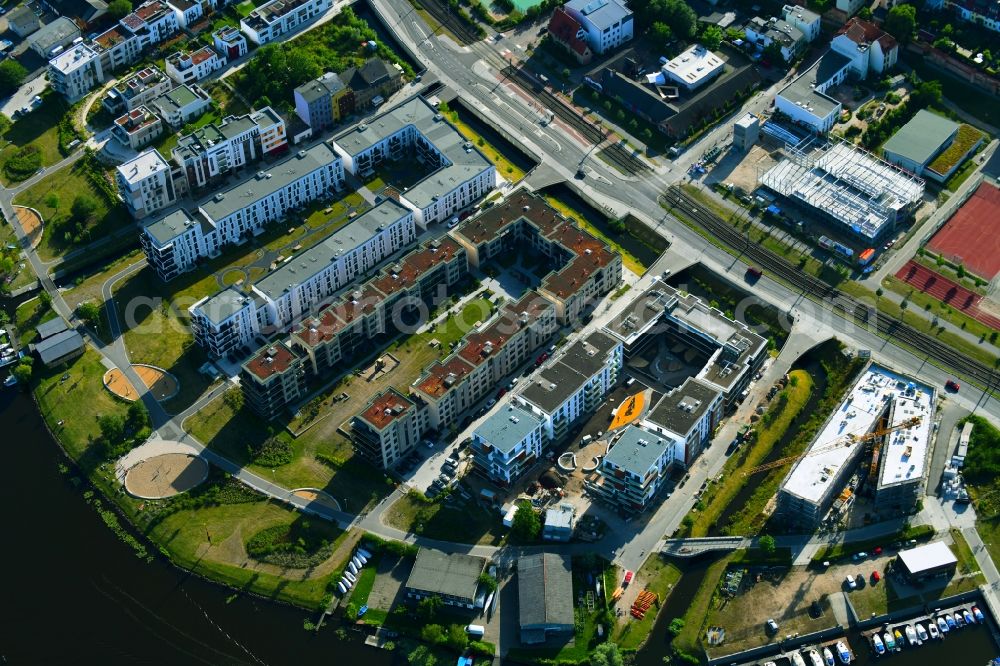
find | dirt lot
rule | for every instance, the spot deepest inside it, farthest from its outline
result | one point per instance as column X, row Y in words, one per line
column 388, row 588
column 743, row 170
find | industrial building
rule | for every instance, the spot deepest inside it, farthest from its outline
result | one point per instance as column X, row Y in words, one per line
column 897, row 462
column 918, row 144
column 452, row 577
column 693, row 68
column 865, row 195
column 925, row 562
column 545, row 597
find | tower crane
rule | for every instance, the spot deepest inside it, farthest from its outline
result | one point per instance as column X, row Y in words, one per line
column 846, row 440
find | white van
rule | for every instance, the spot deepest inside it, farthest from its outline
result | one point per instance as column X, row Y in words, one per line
column 475, row 630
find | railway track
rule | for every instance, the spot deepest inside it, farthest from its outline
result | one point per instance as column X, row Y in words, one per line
column 446, row 18
column 845, row 305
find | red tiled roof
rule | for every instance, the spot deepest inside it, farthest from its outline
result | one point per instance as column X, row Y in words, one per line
column 865, row 32
column 481, row 345
column 385, row 408
column 270, row 361
column 564, row 28
column 442, row 376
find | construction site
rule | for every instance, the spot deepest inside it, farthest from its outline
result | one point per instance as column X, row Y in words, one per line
column 877, row 444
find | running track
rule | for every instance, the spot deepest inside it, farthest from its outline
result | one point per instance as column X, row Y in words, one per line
column 947, row 291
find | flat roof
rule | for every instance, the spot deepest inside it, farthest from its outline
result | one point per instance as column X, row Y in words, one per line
column 602, row 13
column 304, row 265
column 178, row 98
column 636, row 450
column 142, row 166
column 803, row 90
column 73, row 58
column 694, row 65
column 453, row 575
column 52, row 34
column 223, row 305
column 385, row 408
column 223, row 204
column 480, row 345
column 568, row 372
column 679, row 410
column 877, row 389
column 505, row 429
column 271, row 360
column 922, row 138
column 170, row 226
column 928, row 557
column 544, row 591
column 642, row 313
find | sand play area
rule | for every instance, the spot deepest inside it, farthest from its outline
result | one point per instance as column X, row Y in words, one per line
column 160, row 383
column 165, row 475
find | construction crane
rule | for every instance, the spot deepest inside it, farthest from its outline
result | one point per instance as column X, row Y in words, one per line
column 846, row 440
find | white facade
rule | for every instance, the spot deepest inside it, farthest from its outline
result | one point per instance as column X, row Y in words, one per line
column 153, row 22
column 145, row 184
column 185, row 11
column 850, row 7
column 74, row 72
column 182, row 104
column 507, row 444
column 191, row 67
column 268, row 22
column 225, row 322
column 608, row 23
column 230, row 42
column 117, row 48
column 806, row 21
column 870, row 49
column 694, row 67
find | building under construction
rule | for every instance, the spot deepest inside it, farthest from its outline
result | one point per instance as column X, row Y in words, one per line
column 865, row 195
column 882, row 429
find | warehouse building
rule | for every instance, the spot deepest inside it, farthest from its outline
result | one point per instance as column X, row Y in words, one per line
column 452, row 577
column 545, row 597
column 922, row 563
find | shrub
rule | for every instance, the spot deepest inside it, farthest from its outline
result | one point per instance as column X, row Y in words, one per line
column 24, row 163
column 296, row 545
column 272, row 452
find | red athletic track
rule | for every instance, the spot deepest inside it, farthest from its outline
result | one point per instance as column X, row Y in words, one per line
column 973, row 233
column 947, row 291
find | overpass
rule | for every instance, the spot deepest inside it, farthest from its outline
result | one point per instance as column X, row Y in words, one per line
column 692, row 547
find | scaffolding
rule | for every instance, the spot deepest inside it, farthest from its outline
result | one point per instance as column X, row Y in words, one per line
column 849, row 184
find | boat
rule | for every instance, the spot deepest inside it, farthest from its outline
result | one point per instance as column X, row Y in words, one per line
column 341, row 588
column 361, row 558
column 356, row 562
column 890, row 642
column 877, row 642
column 10, row 381
column 921, row 632
column 943, row 626
column 346, row 582
column 911, row 636
column 828, row 657
column 951, row 621
column 898, row 635
column 815, row 658
column 978, row 613
column 770, row 663
column 353, row 569
column 968, row 617
column 349, row 576
column 843, row 652
column 959, row 622
column 362, row 551
column 797, row 659
column 489, row 600
column 933, row 628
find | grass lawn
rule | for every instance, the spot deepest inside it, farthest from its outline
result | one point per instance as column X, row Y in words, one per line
column 628, row 259
column 210, row 541
column 363, row 588
column 40, row 128
column 965, row 139
column 886, row 597
column 66, row 184
column 505, row 167
column 658, row 576
column 919, row 300
column 229, row 103
column 961, row 176
column 458, row 324
column 168, row 142
column 77, row 402
column 465, row 522
column 718, row 496
column 29, row 315
column 89, row 287
column 689, row 639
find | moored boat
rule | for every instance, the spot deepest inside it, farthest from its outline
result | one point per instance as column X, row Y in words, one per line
column 877, row 642
column 911, row 635
column 959, row 622
column 363, row 552
column 951, row 621
column 978, row 613
column 943, row 626
column 967, row 616
column 843, row 652
column 933, row 629
column 815, row 658
column 898, row 635
column 828, row 657
column 921, row 632
column 890, row 642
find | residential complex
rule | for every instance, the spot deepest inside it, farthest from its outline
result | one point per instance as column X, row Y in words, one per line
column 272, row 379
column 194, row 66
column 388, row 428
column 145, row 184
column 74, row 72
column 507, row 444
column 278, row 17
column 566, row 31
column 607, row 23
column 137, row 128
column 897, row 464
column 137, row 90
column 372, row 82
column 181, row 105
column 632, row 471
column 230, row 42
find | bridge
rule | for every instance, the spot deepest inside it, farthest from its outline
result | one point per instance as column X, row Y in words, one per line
column 693, row 547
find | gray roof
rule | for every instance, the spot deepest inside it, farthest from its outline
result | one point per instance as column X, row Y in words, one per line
column 59, row 345
column 465, row 159
column 318, row 258
column 170, row 226
column 557, row 382
column 59, row 32
column 22, row 16
column 201, row 139
column 223, row 305
column 806, row 15
column 680, row 409
column 922, row 138
column 258, row 187
column 507, row 428
column 51, row 327
column 454, row 575
column 602, row 13
column 176, row 99
column 801, row 89
column 643, row 312
column 328, row 84
column 637, row 450
column 545, row 592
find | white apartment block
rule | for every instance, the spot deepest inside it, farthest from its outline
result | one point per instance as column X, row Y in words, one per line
column 806, row 21
column 223, row 323
column 186, row 12
column 118, row 48
column 145, row 184
column 137, row 128
column 137, row 90
column 272, row 20
column 686, row 418
column 152, row 22
column 572, row 385
column 74, row 72
column 869, row 48
column 192, row 67
column 608, row 23
column 460, row 174
column 182, row 105
column 507, row 444
column 230, row 42
column 232, row 215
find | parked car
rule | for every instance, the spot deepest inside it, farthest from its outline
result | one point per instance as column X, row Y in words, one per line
column 772, row 626
column 754, row 273
column 490, row 403
column 860, row 556
column 851, row 583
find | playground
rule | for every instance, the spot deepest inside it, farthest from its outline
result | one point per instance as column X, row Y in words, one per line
column 165, row 475
column 159, row 382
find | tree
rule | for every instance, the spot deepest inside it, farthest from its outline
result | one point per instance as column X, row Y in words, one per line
column 421, row 656
column 428, row 607
column 112, row 429
column 865, row 14
column 137, row 416
column 433, row 634
column 89, row 312
column 83, row 208
column 676, row 625
column 661, row 32
column 119, row 8
column 526, row 524
column 52, row 200
column 767, row 544
column 22, row 373
column 772, row 53
column 606, row 654
column 900, row 22
column 233, row 398
column 488, row 581
column 960, row 271
column 878, row 293
column 927, row 93
column 12, row 74
column 457, row 638
column 711, row 37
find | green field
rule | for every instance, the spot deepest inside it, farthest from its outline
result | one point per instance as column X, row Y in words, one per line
column 40, row 129
column 464, row 522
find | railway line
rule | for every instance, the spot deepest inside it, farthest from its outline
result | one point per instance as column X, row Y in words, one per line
column 847, row 306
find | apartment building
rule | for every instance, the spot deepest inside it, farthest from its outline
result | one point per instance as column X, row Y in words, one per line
column 388, row 428
column 456, row 384
column 152, row 22
column 278, row 17
column 632, row 472
column 145, row 184
column 187, row 12
column 194, row 66
column 243, row 209
column 117, row 48
column 226, row 323
column 137, row 90
column 272, row 379
column 181, row 105
column 765, row 32
column 230, row 42
column 686, row 417
column 323, row 102
column 373, row 82
column 806, row 21
column 459, row 175
column 137, row 128
column 870, row 49
column 572, row 385
column 74, row 72
column 507, row 444
column 607, row 23
column 986, row 14
column 212, row 152
column 584, row 267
